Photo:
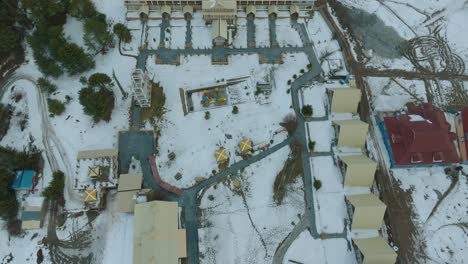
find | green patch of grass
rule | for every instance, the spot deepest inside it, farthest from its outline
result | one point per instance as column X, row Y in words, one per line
column 153, row 113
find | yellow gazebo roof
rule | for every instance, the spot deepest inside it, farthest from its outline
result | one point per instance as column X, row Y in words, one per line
column 90, row 195
column 94, row 172
column 245, row 145
column 221, row 155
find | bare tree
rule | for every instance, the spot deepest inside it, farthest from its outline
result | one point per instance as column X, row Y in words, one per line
column 289, row 123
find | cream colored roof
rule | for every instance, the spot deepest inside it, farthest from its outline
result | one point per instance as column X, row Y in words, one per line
column 251, row 9
column 125, row 201
column 166, row 9
column 30, row 224
column 353, row 133
column 187, row 9
column 272, row 9
column 130, row 182
column 345, row 100
column 219, row 4
column 294, row 9
column 94, row 172
column 376, row 251
column 360, row 170
column 219, row 29
column 157, row 237
column 368, row 211
column 98, row 153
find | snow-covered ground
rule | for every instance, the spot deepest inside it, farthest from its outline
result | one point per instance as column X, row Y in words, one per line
column 240, row 40
column 307, row 250
column 188, row 135
column 393, row 95
column 442, row 229
column 228, row 235
column 262, row 33
column 286, row 35
column 201, row 33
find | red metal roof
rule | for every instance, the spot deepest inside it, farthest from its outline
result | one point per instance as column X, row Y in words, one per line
column 427, row 140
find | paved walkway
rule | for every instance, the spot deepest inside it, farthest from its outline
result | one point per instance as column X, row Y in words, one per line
column 251, row 31
column 272, row 30
column 188, row 200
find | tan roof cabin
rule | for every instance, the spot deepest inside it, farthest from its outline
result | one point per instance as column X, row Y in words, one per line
column 358, row 170
column 368, row 211
column 129, row 185
column 157, row 237
column 351, row 133
column 375, row 250
column 344, row 100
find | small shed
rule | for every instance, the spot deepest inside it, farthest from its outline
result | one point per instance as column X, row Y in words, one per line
column 32, row 214
column 368, row 211
column 129, row 185
column 344, row 100
column 351, row 133
column 245, row 145
column 221, row 155
column 94, row 172
column 358, row 170
column 375, row 250
column 24, row 180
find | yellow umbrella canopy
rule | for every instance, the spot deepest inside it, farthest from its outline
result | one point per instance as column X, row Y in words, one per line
column 90, row 195
column 221, row 155
column 245, row 145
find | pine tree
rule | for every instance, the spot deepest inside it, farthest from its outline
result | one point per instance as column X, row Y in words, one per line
column 82, row 9
column 8, row 40
column 97, row 104
column 74, row 59
column 97, row 37
column 122, row 32
column 100, row 80
column 46, row 86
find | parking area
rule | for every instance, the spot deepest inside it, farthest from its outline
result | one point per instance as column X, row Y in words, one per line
column 138, row 144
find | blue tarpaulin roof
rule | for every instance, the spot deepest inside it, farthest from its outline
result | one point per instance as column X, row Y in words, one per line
column 23, row 179
column 30, row 215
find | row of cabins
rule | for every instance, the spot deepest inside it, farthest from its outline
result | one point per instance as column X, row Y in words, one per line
column 419, row 136
column 366, row 211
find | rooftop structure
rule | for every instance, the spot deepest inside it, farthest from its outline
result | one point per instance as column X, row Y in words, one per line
column 375, row 250
column 422, row 136
column 24, row 180
column 345, row 100
column 368, row 211
column 32, row 214
column 141, row 88
column 351, row 133
column 221, row 155
column 358, row 170
column 157, row 237
column 245, row 145
column 129, row 185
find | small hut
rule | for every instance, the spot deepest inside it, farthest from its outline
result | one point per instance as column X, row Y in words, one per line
column 245, row 145
column 94, row 172
column 221, row 155
column 90, row 196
